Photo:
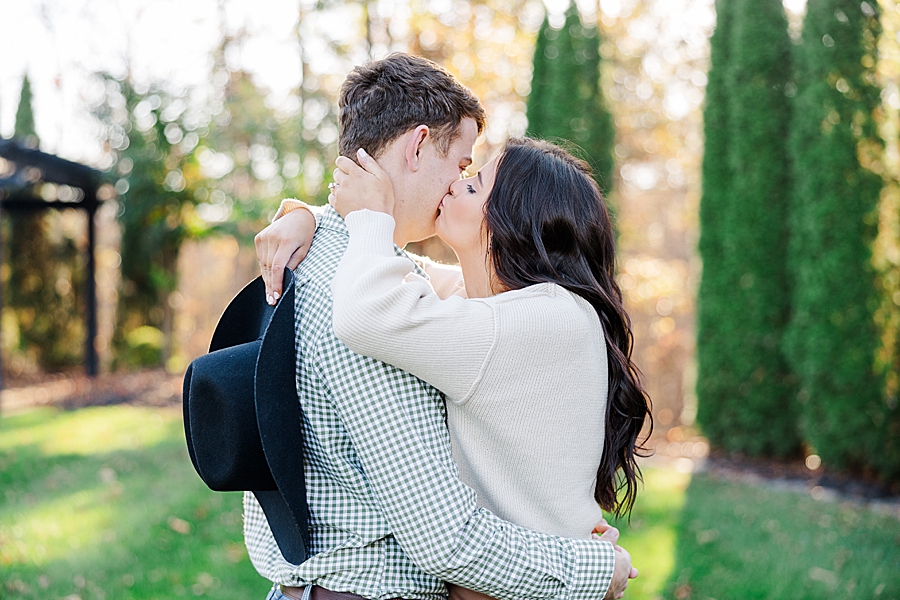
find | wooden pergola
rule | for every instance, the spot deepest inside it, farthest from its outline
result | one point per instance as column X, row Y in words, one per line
column 23, row 172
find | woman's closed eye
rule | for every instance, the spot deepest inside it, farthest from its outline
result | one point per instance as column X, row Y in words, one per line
column 470, row 188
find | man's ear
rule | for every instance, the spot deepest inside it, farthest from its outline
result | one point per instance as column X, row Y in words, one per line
column 414, row 146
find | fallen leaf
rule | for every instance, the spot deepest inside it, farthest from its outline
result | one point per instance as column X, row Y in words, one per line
column 179, row 525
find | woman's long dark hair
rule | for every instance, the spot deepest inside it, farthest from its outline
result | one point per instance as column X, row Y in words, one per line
column 547, row 222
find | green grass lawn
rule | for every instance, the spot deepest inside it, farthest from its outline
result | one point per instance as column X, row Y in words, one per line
column 706, row 539
column 650, row 535
column 754, row 542
column 103, row 503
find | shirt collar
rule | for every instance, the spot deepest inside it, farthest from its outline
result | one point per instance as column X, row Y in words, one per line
column 330, row 219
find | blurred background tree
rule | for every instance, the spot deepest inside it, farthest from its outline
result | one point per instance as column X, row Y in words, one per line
column 745, row 263
column 43, row 284
column 715, row 342
column 24, row 129
column 192, row 168
column 566, row 100
column 151, row 136
column 756, row 231
column 837, row 153
column 886, row 248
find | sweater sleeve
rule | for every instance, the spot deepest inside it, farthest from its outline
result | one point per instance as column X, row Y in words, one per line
column 291, row 204
column 383, row 310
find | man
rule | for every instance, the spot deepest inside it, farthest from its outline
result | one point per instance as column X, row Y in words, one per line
column 389, row 517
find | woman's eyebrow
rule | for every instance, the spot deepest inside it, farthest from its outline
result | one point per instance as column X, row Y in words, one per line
column 479, row 177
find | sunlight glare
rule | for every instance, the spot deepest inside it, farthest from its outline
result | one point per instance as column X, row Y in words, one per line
column 795, row 6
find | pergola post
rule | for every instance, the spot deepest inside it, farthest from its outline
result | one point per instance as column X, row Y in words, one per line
column 90, row 293
column 1, row 301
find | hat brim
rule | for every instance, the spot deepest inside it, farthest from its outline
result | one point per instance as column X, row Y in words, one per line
column 242, row 415
column 280, row 429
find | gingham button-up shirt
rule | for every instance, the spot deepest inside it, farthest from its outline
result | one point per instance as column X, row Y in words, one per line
column 389, row 516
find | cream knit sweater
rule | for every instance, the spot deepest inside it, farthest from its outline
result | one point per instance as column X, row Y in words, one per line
column 524, row 373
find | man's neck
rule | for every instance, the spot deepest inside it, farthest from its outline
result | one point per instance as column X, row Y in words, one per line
column 402, row 236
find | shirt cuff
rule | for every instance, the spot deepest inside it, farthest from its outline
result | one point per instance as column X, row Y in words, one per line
column 599, row 558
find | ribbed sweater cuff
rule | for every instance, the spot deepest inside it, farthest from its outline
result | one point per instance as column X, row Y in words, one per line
column 371, row 230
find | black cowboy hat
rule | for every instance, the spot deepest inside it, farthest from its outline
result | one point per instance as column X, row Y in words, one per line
column 241, row 413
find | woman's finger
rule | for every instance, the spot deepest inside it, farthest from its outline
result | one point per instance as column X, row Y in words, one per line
column 260, row 242
column 370, row 164
column 266, row 269
column 348, row 166
column 272, row 286
column 610, row 535
column 602, row 526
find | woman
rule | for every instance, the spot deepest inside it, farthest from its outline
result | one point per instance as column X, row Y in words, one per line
column 544, row 403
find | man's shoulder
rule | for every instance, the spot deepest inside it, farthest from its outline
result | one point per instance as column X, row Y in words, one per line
column 325, row 252
column 312, row 280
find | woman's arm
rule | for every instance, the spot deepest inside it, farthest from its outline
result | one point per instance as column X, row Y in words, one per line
column 383, row 310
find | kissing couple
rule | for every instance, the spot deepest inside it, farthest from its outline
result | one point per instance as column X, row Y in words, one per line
column 463, row 427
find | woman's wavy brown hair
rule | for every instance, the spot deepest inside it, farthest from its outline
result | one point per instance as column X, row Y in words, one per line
column 547, row 222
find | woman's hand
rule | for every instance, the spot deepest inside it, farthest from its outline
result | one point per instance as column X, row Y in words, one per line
column 357, row 187
column 282, row 244
column 607, row 533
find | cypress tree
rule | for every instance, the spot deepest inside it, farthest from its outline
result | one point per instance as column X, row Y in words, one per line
column 756, row 226
column 566, row 100
column 24, row 129
column 832, row 337
column 541, row 77
column 746, row 388
column 714, row 378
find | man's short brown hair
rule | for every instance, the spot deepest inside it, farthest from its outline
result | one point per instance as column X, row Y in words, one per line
column 383, row 99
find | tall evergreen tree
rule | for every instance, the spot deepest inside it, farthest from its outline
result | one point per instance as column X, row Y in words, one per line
column 756, row 228
column 715, row 380
column 832, row 338
column 747, row 402
column 24, row 129
column 566, row 99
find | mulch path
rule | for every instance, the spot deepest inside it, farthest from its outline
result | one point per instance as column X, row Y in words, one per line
column 145, row 388
column 821, row 483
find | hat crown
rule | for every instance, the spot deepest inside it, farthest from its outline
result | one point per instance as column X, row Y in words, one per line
column 225, row 451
